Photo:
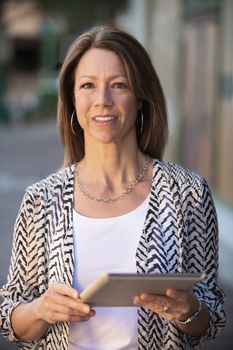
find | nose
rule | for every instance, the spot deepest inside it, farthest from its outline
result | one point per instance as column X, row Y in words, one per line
column 103, row 96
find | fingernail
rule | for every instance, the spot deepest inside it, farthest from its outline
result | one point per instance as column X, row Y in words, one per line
column 86, row 309
column 169, row 292
column 137, row 302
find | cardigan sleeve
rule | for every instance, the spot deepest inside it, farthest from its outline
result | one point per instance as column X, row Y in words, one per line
column 23, row 266
column 203, row 233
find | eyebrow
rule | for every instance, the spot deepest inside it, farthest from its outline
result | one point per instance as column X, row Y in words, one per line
column 94, row 77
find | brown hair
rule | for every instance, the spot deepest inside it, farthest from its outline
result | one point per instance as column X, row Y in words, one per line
column 144, row 83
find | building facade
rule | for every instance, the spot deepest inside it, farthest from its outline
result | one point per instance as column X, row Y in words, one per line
column 191, row 46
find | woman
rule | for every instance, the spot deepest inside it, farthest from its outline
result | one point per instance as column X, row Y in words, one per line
column 115, row 207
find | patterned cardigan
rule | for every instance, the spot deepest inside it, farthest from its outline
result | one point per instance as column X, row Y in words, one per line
column 179, row 235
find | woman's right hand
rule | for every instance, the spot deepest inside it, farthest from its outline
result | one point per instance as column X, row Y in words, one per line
column 61, row 303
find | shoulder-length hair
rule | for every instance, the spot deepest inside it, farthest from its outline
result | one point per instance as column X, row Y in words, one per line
column 143, row 80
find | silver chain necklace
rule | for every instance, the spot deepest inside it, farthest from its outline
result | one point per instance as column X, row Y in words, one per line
column 127, row 191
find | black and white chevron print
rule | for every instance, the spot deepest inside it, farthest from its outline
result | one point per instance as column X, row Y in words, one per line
column 180, row 235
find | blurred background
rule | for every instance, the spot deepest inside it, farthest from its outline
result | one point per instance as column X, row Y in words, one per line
column 190, row 43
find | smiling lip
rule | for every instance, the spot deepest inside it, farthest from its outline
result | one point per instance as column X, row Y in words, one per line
column 104, row 118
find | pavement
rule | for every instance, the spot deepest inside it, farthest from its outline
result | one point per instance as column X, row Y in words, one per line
column 31, row 152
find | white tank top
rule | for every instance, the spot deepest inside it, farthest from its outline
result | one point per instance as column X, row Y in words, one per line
column 100, row 246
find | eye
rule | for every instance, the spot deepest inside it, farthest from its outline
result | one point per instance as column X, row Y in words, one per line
column 87, row 86
column 119, row 85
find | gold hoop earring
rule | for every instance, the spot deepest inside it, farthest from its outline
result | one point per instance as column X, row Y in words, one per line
column 71, row 122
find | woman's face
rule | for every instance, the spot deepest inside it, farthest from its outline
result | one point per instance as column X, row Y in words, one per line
column 106, row 106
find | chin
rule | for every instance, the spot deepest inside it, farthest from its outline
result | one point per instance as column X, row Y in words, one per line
column 107, row 139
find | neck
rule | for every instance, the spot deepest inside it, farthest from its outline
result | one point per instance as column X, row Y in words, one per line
column 109, row 168
column 140, row 177
column 111, row 164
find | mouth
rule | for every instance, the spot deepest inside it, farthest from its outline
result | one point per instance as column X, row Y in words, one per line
column 104, row 118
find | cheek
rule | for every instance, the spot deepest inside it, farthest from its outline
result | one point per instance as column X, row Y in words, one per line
column 127, row 103
column 130, row 107
column 81, row 106
column 82, row 119
column 81, row 112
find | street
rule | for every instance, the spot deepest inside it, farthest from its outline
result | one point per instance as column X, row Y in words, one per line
column 28, row 153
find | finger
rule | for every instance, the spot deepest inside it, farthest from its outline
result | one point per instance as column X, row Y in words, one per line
column 157, row 303
column 59, row 308
column 92, row 313
column 184, row 299
column 151, row 301
column 60, row 317
column 150, row 298
column 80, row 318
column 55, row 300
column 186, row 302
column 177, row 294
column 63, row 289
column 83, row 319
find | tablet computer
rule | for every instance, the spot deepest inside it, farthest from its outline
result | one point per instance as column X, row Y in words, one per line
column 119, row 289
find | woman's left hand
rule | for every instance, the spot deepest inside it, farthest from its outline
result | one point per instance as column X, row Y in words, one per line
column 174, row 305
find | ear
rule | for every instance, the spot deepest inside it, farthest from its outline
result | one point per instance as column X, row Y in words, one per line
column 140, row 104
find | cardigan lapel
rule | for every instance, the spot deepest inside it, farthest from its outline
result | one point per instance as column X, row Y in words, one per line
column 162, row 231
column 157, row 255
column 59, row 224
column 67, row 214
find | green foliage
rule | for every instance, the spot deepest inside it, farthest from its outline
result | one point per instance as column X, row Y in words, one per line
column 81, row 14
column 47, row 93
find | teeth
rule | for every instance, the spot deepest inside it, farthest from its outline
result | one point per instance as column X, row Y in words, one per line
column 104, row 118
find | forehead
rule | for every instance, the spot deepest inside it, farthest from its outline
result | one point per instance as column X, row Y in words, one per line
column 96, row 61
